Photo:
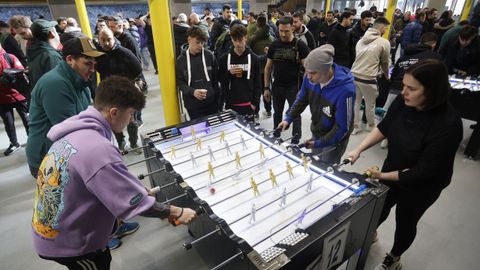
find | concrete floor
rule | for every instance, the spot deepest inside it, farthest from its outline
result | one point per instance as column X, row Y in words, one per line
column 445, row 240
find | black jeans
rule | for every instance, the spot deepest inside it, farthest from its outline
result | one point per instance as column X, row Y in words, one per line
column 332, row 154
column 99, row 259
column 281, row 94
column 6, row 112
column 410, row 208
column 151, row 50
column 132, row 130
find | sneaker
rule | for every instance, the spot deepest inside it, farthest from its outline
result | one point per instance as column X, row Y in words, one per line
column 267, row 114
column 389, row 263
column 257, row 116
column 122, row 145
column 12, row 148
column 114, row 243
column 356, row 130
column 135, row 148
column 126, row 228
column 384, row 144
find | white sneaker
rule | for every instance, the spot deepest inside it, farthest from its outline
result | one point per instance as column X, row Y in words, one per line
column 389, row 263
column 369, row 127
column 356, row 130
column 384, row 144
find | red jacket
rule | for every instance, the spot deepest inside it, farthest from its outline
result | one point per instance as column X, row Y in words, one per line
column 9, row 95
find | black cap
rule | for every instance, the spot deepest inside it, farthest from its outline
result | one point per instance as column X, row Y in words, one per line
column 80, row 45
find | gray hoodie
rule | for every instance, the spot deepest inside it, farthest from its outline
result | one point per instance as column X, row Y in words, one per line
column 372, row 55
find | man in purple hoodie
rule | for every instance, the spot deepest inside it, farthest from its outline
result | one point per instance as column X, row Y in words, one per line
column 83, row 186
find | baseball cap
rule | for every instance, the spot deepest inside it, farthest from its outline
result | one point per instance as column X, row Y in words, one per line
column 42, row 26
column 80, row 45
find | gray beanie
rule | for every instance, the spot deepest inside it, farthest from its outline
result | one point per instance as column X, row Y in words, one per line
column 320, row 59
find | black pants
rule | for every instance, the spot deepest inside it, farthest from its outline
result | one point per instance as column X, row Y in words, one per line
column 6, row 112
column 279, row 96
column 132, row 130
column 332, row 154
column 94, row 260
column 410, row 208
column 151, row 50
column 266, row 104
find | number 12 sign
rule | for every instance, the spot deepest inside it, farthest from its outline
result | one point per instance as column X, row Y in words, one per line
column 334, row 246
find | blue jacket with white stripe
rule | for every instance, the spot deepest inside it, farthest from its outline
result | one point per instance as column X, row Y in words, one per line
column 331, row 107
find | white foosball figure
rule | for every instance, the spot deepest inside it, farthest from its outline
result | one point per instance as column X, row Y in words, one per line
column 242, row 140
column 194, row 161
column 283, row 200
column 210, row 153
column 252, row 213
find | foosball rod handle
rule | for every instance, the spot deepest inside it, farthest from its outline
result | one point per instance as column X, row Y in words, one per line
column 142, row 176
column 175, row 222
column 189, row 245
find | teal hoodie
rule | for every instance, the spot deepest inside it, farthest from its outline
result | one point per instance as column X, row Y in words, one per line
column 58, row 95
column 41, row 59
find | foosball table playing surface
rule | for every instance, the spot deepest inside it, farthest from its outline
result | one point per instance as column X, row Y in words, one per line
column 264, row 203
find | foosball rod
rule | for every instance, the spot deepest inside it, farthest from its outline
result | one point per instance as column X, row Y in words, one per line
column 140, row 161
column 189, row 245
column 279, row 198
column 261, row 182
column 296, row 219
column 222, row 264
column 167, row 150
column 238, row 129
column 251, row 138
column 242, row 170
column 142, row 176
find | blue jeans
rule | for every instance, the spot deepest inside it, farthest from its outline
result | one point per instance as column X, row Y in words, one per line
column 145, row 57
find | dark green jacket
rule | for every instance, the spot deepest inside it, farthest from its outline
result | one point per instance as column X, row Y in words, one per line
column 41, row 59
column 58, row 95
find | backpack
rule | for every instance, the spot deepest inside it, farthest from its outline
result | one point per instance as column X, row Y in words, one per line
column 15, row 78
column 223, row 43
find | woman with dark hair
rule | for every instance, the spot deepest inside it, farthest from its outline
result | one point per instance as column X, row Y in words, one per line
column 424, row 132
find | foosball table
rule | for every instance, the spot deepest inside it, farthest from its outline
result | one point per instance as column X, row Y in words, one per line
column 262, row 202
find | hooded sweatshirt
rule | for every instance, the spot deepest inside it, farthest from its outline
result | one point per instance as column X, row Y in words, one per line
column 41, row 59
column 82, row 187
column 201, row 73
column 331, row 107
column 413, row 54
column 372, row 53
column 307, row 37
column 244, row 90
column 58, row 95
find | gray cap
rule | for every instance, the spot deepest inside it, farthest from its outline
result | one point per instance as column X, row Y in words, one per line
column 320, row 59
